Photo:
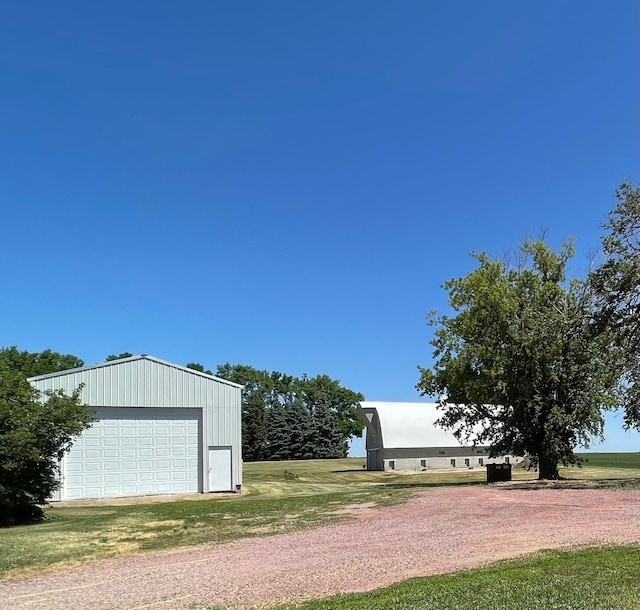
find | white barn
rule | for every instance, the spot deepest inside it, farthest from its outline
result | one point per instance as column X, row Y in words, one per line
column 403, row 436
column 160, row 429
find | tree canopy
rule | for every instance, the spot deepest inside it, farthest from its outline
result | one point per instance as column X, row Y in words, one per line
column 111, row 357
column 617, row 284
column 35, row 431
column 196, row 366
column 288, row 418
column 31, row 364
column 521, row 366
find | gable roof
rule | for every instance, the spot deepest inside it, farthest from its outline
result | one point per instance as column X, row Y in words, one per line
column 133, row 359
column 405, row 425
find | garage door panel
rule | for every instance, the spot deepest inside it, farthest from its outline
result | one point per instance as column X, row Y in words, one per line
column 131, row 451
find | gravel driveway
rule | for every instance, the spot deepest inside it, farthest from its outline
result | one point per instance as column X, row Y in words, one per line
column 441, row 530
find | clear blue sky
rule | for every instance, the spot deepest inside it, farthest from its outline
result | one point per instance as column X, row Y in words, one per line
column 288, row 184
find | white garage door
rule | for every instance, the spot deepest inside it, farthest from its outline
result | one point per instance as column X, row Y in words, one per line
column 133, row 451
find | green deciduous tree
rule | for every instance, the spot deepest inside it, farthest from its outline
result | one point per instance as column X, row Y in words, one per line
column 286, row 417
column 31, row 364
column 617, row 284
column 111, row 357
column 35, row 431
column 521, row 366
column 196, row 366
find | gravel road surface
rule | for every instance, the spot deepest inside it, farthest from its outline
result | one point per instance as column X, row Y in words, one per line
column 441, row 530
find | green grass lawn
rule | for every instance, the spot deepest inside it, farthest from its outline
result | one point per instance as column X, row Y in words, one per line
column 591, row 579
column 277, row 497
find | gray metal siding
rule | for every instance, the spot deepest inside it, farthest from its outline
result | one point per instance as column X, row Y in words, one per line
column 139, row 383
column 223, row 428
column 147, row 382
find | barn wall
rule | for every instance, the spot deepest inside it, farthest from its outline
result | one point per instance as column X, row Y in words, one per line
column 140, row 382
column 222, row 426
column 406, row 436
column 373, row 441
column 148, row 382
column 435, row 458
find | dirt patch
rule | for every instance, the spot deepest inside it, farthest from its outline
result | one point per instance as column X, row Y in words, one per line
column 441, row 530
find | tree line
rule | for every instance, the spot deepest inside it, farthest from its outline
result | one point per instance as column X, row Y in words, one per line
column 528, row 359
column 293, row 418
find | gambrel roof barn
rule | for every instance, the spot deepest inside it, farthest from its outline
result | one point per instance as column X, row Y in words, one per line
column 404, row 436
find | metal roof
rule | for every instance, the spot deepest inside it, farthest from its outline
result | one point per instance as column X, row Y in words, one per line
column 408, row 424
column 133, row 359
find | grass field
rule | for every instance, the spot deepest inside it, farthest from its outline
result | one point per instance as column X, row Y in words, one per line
column 592, row 579
column 277, row 497
column 612, row 460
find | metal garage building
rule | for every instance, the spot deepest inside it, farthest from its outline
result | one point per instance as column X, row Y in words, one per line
column 160, row 428
column 403, row 436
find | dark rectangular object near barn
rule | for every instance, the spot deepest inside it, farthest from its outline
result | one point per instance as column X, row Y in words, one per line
column 498, row 472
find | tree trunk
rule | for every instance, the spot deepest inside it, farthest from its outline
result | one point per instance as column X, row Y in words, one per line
column 547, row 468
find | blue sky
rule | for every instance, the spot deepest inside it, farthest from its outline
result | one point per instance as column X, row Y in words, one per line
column 288, row 184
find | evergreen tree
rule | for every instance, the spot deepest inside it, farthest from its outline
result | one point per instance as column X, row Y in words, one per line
column 328, row 440
column 285, row 417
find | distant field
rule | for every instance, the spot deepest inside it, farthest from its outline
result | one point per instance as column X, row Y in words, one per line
column 611, row 460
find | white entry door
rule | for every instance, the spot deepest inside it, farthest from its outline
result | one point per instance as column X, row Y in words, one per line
column 220, row 469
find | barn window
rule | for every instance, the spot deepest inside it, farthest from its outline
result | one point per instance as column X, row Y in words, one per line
column 392, row 464
column 481, row 461
column 506, row 460
column 442, row 452
column 466, row 461
column 423, row 463
column 453, row 463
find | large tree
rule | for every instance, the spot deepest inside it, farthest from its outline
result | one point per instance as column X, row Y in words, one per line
column 617, row 284
column 521, row 366
column 36, row 430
